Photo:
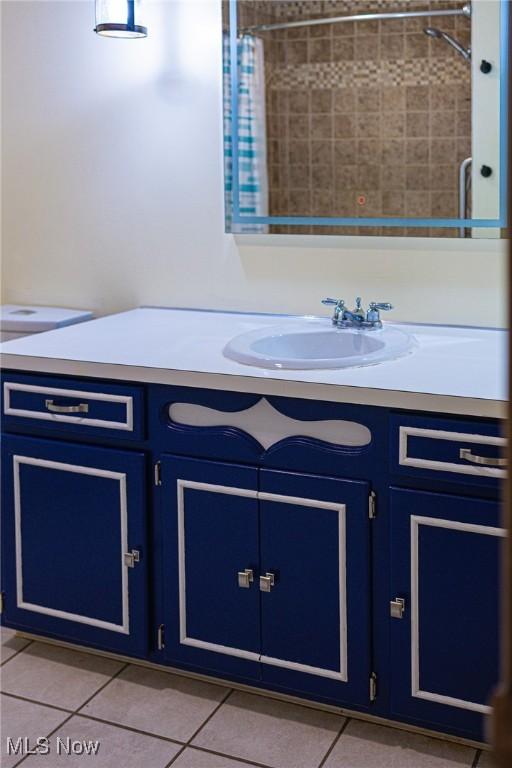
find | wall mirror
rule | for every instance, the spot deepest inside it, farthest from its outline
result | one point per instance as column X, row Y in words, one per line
column 370, row 117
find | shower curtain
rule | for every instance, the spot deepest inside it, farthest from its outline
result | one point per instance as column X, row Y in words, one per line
column 252, row 140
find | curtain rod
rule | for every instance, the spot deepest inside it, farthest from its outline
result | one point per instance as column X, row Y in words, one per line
column 464, row 11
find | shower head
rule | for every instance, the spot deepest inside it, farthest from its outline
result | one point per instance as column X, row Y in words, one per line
column 438, row 34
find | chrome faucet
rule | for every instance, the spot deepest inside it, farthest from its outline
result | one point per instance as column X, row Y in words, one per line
column 357, row 318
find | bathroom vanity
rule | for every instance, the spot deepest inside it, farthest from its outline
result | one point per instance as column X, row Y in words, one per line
column 327, row 534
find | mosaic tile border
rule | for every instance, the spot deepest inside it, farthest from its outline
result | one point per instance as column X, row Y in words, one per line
column 346, row 74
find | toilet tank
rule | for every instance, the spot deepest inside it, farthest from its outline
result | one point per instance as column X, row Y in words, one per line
column 17, row 320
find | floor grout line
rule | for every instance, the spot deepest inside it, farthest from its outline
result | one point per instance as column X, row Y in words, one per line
column 102, row 688
column 16, row 653
column 130, row 728
column 39, row 703
column 220, row 704
column 25, row 757
column 265, row 694
column 178, row 753
column 183, row 745
column 71, row 713
column 56, row 706
column 187, row 743
column 78, row 713
column 173, row 759
column 235, row 758
column 338, row 737
column 133, row 729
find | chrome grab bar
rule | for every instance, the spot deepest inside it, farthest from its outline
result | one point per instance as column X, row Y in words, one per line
column 81, row 408
column 463, row 192
column 485, row 461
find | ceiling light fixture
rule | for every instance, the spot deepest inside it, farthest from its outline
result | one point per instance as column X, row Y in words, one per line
column 120, row 18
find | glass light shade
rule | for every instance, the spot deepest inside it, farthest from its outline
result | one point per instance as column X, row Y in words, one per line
column 120, row 18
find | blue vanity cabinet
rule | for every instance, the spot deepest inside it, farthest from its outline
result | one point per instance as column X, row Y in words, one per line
column 260, row 539
column 266, row 576
column 315, row 617
column 445, row 641
column 74, row 543
column 210, row 529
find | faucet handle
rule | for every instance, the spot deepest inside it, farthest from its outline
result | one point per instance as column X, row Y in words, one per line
column 374, row 308
column 339, row 308
column 333, row 302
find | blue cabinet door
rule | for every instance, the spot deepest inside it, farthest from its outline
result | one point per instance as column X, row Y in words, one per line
column 209, row 519
column 71, row 516
column 315, row 618
column 445, row 566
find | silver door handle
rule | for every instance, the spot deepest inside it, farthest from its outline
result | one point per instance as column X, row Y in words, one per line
column 485, row 461
column 131, row 558
column 267, row 582
column 397, row 608
column 50, row 406
column 245, row 578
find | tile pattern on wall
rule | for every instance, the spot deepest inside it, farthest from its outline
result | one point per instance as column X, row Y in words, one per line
column 364, row 119
column 362, row 74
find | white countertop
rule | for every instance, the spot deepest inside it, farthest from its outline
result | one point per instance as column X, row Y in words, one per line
column 453, row 370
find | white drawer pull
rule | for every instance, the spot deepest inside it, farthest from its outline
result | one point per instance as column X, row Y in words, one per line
column 486, row 461
column 81, row 408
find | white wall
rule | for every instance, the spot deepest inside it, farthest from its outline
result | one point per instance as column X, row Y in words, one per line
column 112, row 186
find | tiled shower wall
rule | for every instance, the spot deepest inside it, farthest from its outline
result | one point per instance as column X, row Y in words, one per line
column 365, row 118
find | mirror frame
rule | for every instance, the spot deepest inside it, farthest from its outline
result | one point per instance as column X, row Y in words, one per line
column 236, row 218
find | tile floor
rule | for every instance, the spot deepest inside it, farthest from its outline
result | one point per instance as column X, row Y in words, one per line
column 149, row 719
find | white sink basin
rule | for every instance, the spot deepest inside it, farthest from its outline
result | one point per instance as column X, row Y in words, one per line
column 316, row 343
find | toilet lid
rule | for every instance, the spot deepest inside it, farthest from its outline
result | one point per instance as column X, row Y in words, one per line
column 30, row 319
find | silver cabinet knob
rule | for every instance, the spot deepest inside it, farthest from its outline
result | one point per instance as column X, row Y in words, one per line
column 245, row 578
column 131, row 558
column 267, row 582
column 397, row 608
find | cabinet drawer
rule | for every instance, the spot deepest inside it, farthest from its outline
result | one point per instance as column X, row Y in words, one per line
column 464, row 451
column 67, row 405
